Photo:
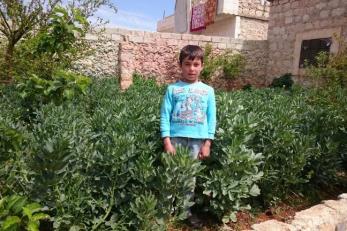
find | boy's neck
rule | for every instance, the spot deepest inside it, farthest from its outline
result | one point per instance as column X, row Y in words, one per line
column 189, row 82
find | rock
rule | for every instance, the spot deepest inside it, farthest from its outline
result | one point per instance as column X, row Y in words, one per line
column 273, row 225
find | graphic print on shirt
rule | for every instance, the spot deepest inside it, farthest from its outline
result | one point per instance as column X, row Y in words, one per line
column 190, row 108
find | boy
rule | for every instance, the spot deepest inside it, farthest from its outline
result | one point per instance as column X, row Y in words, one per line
column 188, row 111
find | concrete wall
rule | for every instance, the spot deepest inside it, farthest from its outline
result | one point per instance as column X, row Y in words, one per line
column 123, row 52
column 227, row 22
column 291, row 21
column 224, row 26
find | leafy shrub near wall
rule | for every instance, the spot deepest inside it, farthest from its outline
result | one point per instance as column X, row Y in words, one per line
column 285, row 81
column 331, row 68
column 230, row 63
column 96, row 160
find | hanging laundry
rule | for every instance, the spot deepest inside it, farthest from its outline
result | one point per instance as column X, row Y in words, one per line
column 197, row 22
column 211, row 11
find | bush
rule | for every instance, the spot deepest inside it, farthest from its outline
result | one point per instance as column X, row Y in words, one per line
column 285, row 81
column 231, row 64
column 96, row 160
column 330, row 68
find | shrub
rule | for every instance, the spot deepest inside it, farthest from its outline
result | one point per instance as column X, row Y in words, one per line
column 16, row 213
column 96, row 161
column 330, row 68
column 231, row 64
column 285, row 81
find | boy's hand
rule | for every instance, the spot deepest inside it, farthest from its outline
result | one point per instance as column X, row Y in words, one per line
column 205, row 150
column 168, row 147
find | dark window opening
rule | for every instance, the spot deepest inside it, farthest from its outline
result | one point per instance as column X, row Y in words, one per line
column 311, row 48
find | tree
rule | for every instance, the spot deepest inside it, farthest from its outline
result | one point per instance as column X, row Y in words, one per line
column 24, row 18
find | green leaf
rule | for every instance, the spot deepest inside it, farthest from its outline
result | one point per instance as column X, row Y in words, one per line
column 254, row 191
column 29, row 209
column 40, row 216
column 11, row 222
column 33, row 226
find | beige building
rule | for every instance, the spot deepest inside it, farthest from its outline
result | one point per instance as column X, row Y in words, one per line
column 240, row 19
column 299, row 29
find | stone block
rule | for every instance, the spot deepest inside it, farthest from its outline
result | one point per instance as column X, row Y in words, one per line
column 343, row 196
column 125, row 84
column 117, row 37
column 170, row 36
column 136, row 39
column 172, row 42
column 187, row 36
column 196, row 37
column 219, row 39
column 314, row 217
column 334, row 3
column 221, row 45
column 288, row 20
column 324, row 13
column 149, row 39
column 273, row 225
column 338, row 12
column 340, row 206
column 321, row 6
column 91, row 37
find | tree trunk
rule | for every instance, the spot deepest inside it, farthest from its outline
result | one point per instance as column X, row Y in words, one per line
column 7, row 75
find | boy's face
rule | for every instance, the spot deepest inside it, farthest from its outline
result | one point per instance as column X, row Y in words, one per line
column 191, row 70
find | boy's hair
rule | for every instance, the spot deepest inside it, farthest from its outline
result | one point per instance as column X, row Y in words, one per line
column 191, row 51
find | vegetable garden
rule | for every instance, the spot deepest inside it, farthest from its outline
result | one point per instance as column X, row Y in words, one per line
column 94, row 161
column 79, row 154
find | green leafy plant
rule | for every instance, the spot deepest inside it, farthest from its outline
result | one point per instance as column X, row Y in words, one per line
column 64, row 85
column 16, row 213
column 54, row 48
column 330, row 68
column 96, row 161
column 284, row 81
column 231, row 64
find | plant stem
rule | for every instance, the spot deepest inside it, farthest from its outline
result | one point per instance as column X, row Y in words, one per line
column 107, row 212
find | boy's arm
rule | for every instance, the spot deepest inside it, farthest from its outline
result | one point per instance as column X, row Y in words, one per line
column 211, row 123
column 211, row 115
column 165, row 114
column 165, row 118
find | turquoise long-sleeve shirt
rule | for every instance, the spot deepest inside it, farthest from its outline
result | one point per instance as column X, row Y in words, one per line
column 188, row 110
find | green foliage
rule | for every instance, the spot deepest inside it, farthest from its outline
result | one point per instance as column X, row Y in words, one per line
column 231, row 64
column 96, row 161
column 16, row 213
column 285, row 81
column 176, row 178
column 55, row 47
column 331, row 69
column 36, row 91
column 45, row 24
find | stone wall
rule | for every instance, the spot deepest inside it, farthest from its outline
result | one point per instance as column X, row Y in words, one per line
column 291, row 21
column 254, row 9
column 102, row 60
column 251, row 28
column 123, row 52
column 330, row 215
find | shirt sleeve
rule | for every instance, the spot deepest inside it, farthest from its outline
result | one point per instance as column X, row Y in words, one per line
column 165, row 114
column 211, row 114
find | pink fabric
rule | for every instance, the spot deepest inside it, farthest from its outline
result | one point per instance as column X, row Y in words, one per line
column 198, row 18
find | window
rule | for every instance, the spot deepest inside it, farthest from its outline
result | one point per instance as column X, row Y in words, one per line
column 311, row 48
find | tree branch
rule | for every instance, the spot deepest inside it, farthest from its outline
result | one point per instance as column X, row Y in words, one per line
column 5, row 23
